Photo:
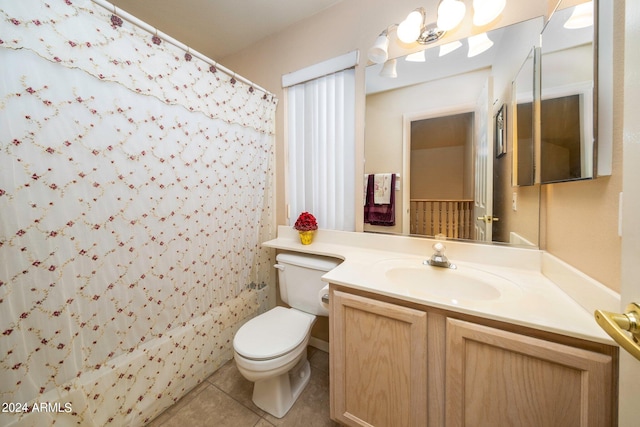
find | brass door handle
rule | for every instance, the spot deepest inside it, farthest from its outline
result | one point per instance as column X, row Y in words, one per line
column 488, row 218
column 616, row 324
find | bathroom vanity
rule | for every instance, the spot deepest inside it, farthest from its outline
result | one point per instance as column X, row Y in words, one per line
column 495, row 342
column 395, row 363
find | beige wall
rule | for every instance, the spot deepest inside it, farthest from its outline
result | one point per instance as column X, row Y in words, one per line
column 438, row 173
column 581, row 224
column 580, row 218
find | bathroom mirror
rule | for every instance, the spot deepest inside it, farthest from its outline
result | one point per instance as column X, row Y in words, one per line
column 441, row 89
column 568, row 96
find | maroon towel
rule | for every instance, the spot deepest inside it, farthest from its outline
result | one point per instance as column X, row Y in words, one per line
column 380, row 214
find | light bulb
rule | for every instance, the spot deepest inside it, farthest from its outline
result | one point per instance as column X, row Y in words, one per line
column 409, row 29
column 378, row 53
column 450, row 14
column 485, row 11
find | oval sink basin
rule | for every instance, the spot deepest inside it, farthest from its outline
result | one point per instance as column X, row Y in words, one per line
column 465, row 283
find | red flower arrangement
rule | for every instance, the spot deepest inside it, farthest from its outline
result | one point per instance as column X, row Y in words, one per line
column 306, row 222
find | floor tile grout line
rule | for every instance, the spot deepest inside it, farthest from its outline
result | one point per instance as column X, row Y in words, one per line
column 191, row 394
column 238, row 401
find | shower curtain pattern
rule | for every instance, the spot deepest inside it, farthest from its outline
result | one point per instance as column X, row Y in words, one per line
column 135, row 182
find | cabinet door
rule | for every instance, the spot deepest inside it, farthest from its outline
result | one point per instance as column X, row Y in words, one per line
column 497, row 378
column 378, row 363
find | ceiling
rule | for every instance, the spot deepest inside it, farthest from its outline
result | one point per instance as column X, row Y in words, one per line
column 217, row 28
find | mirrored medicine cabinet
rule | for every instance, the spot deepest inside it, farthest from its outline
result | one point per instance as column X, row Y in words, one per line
column 564, row 132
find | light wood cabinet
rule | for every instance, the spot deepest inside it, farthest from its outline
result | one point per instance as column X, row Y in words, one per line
column 499, row 378
column 378, row 362
column 394, row 363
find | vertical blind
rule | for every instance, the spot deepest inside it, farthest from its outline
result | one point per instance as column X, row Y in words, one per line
column 321, row 147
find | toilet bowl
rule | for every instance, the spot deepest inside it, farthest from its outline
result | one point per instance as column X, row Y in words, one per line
column 271, row 349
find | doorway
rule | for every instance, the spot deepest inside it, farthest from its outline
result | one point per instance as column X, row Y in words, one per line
column 441, row 175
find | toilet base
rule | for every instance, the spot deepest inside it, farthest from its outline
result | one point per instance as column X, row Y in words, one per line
column 276, row 395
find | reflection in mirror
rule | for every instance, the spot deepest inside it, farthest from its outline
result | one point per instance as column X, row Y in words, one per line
column 523, row 123
column 442, row 147
column 462, row 87
column 567, row 104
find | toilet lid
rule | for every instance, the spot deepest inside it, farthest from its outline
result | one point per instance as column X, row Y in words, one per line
column 272, row 334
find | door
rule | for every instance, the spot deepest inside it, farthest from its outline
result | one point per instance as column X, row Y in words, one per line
column 483, row 207
column 629, row 366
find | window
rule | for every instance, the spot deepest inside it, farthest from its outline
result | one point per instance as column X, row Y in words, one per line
column 321, row 145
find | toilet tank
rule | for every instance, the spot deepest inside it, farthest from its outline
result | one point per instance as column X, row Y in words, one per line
column 299, row 279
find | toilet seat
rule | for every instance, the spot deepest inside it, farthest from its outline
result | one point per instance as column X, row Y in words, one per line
column 272, row 334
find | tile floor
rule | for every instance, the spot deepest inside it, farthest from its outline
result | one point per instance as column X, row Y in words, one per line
column 224, row 399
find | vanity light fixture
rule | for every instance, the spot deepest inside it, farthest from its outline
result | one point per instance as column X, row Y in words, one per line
column 478, row 44
column 414, row 29
column 379, row 52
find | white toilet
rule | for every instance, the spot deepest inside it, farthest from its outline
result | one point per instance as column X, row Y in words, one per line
column 271, row 349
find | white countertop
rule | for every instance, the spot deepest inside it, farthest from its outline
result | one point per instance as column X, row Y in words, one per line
column 535, row 302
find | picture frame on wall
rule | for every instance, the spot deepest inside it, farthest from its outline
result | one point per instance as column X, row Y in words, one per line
column 500, row 132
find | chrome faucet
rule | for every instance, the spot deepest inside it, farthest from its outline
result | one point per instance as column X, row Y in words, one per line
column 439, row 259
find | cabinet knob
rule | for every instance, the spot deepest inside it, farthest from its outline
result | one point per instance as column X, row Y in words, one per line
column 616, row 324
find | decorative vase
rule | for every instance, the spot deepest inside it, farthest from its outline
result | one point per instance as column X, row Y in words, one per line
column 306, row 237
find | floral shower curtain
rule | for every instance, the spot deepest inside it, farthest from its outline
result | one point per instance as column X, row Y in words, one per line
column 134, row 193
